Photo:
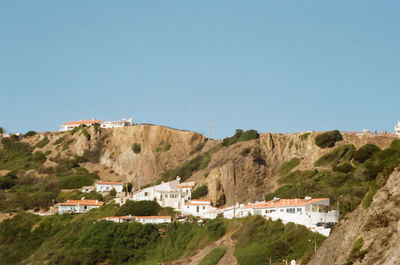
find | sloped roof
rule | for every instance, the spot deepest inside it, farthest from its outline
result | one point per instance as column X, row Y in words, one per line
column 82, row 202
column 285, row 203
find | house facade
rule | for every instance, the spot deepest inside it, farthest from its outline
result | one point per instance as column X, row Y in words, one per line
column 72, row 124
column 78, row 206
column 103, row 186
column 200, row 208
column 116, row 124
column 168, row 194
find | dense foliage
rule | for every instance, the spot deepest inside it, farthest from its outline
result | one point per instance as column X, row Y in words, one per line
column 43, row 142
column 136, row 148
column 240, row 136
column 352, row 184
column 139, row 208
column 365, row 152
column 200, row 192
column 328, row 139
column 214, row 256
column 287, row 166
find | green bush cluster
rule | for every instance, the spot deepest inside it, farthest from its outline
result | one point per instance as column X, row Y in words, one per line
column 66, row 144
column 59, row 140
column 197, row 148
column 163, row 147
column 304, row 136
column 30, row 134
column 136, row 148
column 287, row 166
column 355, row 184
column 328, row 139
column 257, row 156
column 200, row 192
column 77, row 195
column 43, row 142
column 259, row 240
column 356, row 253
column 240, row 136
column 365, row 152
column 139, row 208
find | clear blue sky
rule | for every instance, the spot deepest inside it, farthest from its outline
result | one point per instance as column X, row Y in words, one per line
column 274, row 66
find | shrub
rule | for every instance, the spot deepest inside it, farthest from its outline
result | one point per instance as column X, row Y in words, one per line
column 249, row 135
column 75, row 130
column 328, row 139
column 304, row 136
column 43, row 142
column 30, row 133
column 136, row 148
column 48, row 152
column 200, row 192
column 287, row 166
column 113, row 192
column 39, row 157
column 365, row 152
column 214, row 256
column 87, row 135
column 197, row 148
column 59, row 141
column 139, row 208
column 127, row 187
column 342, row 154
column 66, row 145
column 8, row 181
column 257, row 157
column 245, row 151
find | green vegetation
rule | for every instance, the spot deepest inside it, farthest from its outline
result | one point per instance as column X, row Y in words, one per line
column 304, row 136
column 342, row 154
column 136, row 148
column 66, row 144
column 163, row 147
column 43, row 142
column 127, row 187
column 59, row 141
column 328, row 139
column 94, row 154
column 354, row 184
column 356, row 253
column 260, row 239
column 200, row 192
column 30, row 133
column 86, row 133
column 240, row 136
column 245, row 151
column 257, row 156
column 77, row 195
column 197, row 148
column 139, row 208
column 365, row 152
column 214, row 256
column 287, row 166
column 187, row 169
column 75, row 130
column 72, row 176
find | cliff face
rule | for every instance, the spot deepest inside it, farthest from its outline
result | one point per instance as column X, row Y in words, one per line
column 241, row 172
column 378, row 226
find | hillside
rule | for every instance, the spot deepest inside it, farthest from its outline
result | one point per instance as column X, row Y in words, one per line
column 45, row 168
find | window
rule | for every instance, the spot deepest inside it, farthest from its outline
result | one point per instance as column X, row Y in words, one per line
column 204, row 207
column 290, row 210
column 299, row 210
column 145, row 194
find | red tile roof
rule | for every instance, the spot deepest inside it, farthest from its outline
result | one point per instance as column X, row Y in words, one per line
column 83, row 122
column 284, row 202
column 82, row 202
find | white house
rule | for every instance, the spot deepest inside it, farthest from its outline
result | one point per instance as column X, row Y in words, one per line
column 168, row 194
column 140, row 219
column 116, row 124
column 103, row 186
column 397, row 128
column 72, row 124
column 78, row 206
column 200, row 208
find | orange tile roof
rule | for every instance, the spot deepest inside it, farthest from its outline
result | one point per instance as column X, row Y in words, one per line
column 284, row 202
column 83, row 122
column 197, row 204
column 198, row 200
column 181, row 187
column 110, row 183
column 82, row 202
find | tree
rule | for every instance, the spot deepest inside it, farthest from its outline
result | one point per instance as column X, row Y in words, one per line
column 2, row 131
column 113, row 192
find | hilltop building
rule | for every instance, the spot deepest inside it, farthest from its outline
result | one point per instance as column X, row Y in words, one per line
column 397, row 128
column 78, row 206
column 107, row 124
column 139, row 219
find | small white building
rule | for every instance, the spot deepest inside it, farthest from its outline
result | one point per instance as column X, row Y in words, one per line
column 139, row 219
column 72, row 124
column 78, row 206
column 168, row 194
column 397, row 128
column 116, row 124
column 88, row 189
column 200, row 208
column 103, row 186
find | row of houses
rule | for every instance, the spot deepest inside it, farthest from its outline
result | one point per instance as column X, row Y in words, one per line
column 308, row 211
column 104, row 186
column 106, row 124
